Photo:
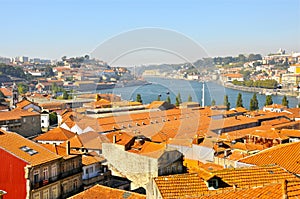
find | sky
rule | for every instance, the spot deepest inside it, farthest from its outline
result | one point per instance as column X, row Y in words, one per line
column 52, row 29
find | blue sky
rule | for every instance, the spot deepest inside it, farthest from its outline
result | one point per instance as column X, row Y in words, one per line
column 51, row 29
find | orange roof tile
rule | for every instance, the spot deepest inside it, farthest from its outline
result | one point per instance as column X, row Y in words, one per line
column 56, row 134
column 6, row 92
column 180, row 185
column 254, row 176
column 285, row 155
column 103, row 192
column 12, row 142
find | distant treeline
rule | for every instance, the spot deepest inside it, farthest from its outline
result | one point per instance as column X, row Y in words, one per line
column 12, row 71
column 268, row 83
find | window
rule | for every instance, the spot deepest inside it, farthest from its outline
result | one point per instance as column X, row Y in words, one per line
column 36, row 196
column 53, row 170
column 54, row 192
column 75, row 184
column 36, row 176
column 46, row 194
column 28, row 150
column 213, row 184
column 24, row 119
column 45, row 173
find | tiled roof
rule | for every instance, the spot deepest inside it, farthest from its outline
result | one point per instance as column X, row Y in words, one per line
column 273, row 191
column 103, row 192
column 56, row 134
column 6, row 92
column 16, row 114
column 285, row 155
column 88, row 159
column 181, row 185
column 270, row 134
column 12, row 142
column 248, row 146
column 23, row 103
column 290, row 132
column 254, row 176
column 122, row 138
column 61, row 150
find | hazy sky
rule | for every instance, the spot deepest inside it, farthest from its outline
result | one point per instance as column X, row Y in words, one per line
column 51, row 29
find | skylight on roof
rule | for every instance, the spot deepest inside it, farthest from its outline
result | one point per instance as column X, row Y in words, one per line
column 28, row 150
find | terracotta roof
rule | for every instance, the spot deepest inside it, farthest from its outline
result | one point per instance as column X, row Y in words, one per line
column 248, row 146
column 233, row 75
column 6, row 92
column 56, row 134
column 88, row 159
column 34, row 154
column 236, row 155
column 16, row 114
column 275, row 106
column 285, row 155
column 180, row 185
column 273, row 191
column 122, row 138
column 103, row 192
column 24, row 103
column 151, row 149
column 290, row 132
column 61, row 150
column 254, row 176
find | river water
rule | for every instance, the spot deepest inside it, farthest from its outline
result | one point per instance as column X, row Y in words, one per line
column 171, row 87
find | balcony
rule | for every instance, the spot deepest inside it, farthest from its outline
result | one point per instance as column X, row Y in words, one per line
column 71, row 172
column 101, row 178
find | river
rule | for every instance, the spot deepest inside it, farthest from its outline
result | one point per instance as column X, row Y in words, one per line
column 161, row 86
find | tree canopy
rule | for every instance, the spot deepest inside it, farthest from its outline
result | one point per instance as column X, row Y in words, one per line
column 254, row 103
column 239, row 101
column 139, row 98
column 226, row 102
column 269, row 100
column 190, row 98
column 213, row 102
column 285, row 101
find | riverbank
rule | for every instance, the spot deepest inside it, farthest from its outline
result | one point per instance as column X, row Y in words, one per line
column 263, row 91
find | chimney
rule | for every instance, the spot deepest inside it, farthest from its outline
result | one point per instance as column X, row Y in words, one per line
column 284, row 189
column 67, row 147
column 114, row 139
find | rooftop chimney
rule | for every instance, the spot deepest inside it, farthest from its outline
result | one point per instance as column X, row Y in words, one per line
column 67, row 147
column 284, row 189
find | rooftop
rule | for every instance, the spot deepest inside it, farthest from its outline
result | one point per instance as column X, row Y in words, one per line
column 103, row 192
column 27, row 150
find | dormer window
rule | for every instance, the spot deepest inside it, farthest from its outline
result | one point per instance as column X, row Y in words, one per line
column 213, row 184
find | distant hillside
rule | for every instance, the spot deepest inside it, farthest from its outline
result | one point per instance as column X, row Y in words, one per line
column 197, row 66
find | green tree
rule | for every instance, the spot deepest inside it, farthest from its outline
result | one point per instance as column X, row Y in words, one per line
column 254, row 103
column 49, row 72
column 226, row 102
column 285, row 101
column 269, row 100
column 53, row 118
column 213, row 102
column 239, row 101
column 179, row 98
column 168, row 99
column 158, row 98
column 177, row 103
column 139, row 98
column 65, row 95
column 22, row 88
column 190, row 98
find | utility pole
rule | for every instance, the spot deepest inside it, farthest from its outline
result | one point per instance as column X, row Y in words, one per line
column 203, row 91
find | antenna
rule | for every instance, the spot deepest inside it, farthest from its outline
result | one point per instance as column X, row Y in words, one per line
column 203, row 94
